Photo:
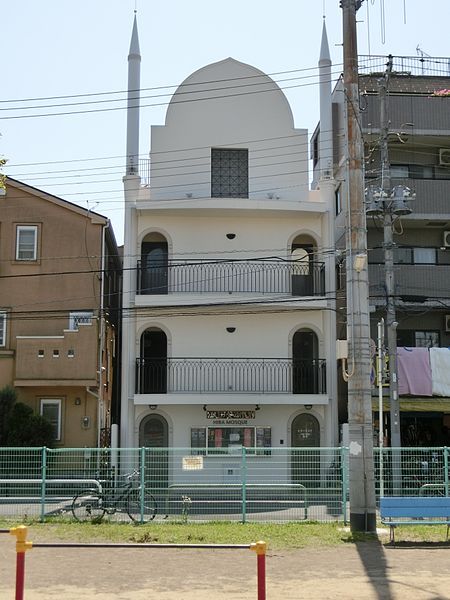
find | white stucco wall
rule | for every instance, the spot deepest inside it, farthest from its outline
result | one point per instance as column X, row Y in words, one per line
column 199, row 234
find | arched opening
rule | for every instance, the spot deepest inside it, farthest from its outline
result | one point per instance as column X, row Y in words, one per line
column 302, row 255
column 152, row 376
column 305, row 434
column 153, row 432
column 154, row 264
column 305, row 362
column 154, row 435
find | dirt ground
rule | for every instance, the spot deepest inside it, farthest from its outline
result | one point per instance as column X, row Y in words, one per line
column 369, row 570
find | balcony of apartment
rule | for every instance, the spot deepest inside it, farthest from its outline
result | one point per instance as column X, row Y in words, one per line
column 291, row 278
column 228, row 376
column 70, row 359
column 431, row 201
column 413, row 282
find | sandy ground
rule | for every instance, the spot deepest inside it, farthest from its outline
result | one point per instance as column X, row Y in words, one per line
column 368, row 570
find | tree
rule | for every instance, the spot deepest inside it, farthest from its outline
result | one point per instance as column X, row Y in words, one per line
column 8, row 397
column 19, row 426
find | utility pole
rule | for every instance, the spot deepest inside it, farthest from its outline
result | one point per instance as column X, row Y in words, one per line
column 388, row 243
column 361, row 465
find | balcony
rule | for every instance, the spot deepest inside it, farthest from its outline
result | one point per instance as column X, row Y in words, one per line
column 421, row 281
column 230, row 375
column 227, row 277
column 68, row 359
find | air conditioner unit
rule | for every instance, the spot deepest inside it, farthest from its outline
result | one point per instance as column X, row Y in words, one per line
column 447, row 323
column 446, row 239
column 444, row 157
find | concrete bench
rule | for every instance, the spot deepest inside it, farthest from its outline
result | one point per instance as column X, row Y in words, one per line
column 414, row 510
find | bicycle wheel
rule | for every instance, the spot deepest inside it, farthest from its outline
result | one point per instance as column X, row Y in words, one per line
column 134, row 506
column 88, row 506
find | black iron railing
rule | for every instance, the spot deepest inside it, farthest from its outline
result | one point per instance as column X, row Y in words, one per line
column 230, row 375
column 263, row 277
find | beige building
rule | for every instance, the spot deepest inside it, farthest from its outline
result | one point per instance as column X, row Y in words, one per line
column 59, row 284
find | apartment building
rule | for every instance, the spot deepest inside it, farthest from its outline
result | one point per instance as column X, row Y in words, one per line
column 411, row 188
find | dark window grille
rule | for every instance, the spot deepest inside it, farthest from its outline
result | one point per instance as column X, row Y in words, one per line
column 229, row 173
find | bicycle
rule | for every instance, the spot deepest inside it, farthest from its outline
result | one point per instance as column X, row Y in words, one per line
column 92, row 504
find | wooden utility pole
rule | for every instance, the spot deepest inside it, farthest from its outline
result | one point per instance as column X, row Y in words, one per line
column 361, row 465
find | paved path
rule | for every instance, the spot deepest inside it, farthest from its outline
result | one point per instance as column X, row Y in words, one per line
column 367, row 570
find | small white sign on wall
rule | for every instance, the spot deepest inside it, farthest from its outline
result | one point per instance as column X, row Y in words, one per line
column 192, row 463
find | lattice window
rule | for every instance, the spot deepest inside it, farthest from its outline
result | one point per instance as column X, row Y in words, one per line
column 229, row 173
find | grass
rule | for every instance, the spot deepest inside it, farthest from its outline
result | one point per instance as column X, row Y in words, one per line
column 277, row 536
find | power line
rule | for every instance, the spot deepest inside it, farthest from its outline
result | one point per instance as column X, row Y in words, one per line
column 153, row 105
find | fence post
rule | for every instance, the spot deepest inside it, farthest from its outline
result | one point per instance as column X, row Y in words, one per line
column 244, row 483
column 446, row 469
column 142, row 483
column 43, row 481
column 344, row 461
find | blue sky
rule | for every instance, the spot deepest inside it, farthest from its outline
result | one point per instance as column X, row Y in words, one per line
column 55, row 48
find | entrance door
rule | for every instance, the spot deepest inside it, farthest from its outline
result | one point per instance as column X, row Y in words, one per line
column 302, row 276
column 305, row 435
column 154, row 265
column 305, row 368
column 154, row 436
column 153, row 377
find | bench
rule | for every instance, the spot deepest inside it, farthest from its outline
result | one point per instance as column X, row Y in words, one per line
column 414, row 510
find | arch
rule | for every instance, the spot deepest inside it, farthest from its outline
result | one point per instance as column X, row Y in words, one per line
column 303, row 249
column 154, row 436
column 154, row 264
column 305, row 431
column 305, row 463
column 152, row 364
column 153, row 431
column 305, row 362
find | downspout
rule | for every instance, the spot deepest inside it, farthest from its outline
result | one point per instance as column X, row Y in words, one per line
column 101, row 339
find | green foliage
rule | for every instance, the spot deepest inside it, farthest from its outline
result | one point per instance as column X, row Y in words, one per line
column 19, row 426
column 8, row 397
column 24, row 428
column 2, row 176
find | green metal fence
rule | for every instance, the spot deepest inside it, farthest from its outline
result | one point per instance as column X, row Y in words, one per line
column 188, row 484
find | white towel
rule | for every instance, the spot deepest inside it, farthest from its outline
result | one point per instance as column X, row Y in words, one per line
column 440, row 371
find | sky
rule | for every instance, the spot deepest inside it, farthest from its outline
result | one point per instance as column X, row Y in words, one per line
column 56, row 48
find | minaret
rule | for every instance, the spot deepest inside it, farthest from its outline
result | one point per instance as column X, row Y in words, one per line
column 326, row 135
column 132, row 184
column 134, row 84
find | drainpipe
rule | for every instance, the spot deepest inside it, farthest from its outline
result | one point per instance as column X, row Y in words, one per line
column 101, row 338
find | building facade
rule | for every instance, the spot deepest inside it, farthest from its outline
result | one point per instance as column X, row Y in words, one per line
column 228, row 298
column 59, row 300
column 410, row 184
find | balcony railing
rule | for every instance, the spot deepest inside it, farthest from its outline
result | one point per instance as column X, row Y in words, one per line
column 230, row 375
column 413, row 65
column 262, row 277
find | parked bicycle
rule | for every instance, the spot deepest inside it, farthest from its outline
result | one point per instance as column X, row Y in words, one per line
column 92, row 504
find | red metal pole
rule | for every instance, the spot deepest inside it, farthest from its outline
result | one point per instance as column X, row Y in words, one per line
column 260, row 549
column 21, row 547
column 20, row 575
